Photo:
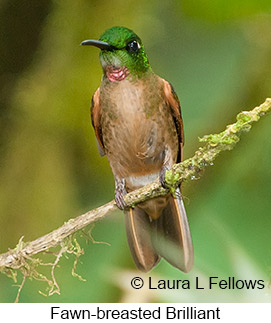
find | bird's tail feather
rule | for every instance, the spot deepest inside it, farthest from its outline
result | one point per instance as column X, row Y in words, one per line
column 168, row 236
column 138, row 230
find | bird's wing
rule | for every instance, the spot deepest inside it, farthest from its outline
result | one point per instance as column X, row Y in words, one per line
column 174, row 104
column 95, row 120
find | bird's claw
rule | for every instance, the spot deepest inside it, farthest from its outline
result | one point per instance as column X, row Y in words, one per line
column 119, row 195
column 162, row 176
column 119, row 199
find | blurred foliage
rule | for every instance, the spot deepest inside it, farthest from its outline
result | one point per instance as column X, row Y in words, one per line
column 217, row 54
column 220, row 10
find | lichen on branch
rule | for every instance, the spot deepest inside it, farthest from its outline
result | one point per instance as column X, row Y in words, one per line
column 215, row 144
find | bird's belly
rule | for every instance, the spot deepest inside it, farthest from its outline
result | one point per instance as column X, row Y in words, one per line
column 134, row 146
column 137, row 128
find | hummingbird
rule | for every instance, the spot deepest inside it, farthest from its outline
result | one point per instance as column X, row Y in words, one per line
column 137, row 120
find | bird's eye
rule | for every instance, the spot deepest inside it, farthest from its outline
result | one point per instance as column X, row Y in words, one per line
column 133, row 46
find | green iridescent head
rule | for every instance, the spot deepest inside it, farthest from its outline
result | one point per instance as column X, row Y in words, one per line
column 121, row 50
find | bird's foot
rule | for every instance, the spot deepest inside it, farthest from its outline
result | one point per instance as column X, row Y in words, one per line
column 171, row 187
column 162, row 176
column 120, row 192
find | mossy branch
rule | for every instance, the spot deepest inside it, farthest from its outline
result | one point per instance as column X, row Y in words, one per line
column 17, row 258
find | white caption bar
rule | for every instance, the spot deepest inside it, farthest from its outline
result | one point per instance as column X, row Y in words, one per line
column 128, row 312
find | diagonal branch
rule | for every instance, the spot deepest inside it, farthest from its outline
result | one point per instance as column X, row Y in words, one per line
column 189, row 169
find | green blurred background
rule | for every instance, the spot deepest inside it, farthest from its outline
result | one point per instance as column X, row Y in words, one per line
column 217, row 54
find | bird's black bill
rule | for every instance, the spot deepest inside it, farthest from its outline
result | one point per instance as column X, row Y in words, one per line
column 97, row 43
